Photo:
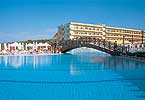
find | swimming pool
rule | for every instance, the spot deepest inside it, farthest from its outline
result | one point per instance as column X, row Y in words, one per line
column 71, row 77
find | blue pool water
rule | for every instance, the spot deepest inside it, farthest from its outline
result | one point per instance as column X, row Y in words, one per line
column 71, row 77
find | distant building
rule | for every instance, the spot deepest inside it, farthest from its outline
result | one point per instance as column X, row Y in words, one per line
column 14, row 46
column 25, row 48
column 39, row 47
column 74, row 30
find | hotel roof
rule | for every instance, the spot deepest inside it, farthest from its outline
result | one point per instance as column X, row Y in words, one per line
column 103, row 25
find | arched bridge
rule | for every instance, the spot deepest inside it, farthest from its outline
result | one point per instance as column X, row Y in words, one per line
column 102, row 45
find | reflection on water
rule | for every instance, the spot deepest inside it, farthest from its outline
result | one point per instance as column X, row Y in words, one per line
column 76, row 62
column 107, row 74
column 74, row 71
column 23, row 61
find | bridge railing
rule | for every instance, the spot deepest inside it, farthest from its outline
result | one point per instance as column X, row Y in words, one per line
column 97, row 42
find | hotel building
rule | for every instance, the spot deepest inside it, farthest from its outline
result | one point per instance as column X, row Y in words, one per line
column 74, row 30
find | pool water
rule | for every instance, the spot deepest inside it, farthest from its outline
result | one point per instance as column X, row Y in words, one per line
column 71, row 77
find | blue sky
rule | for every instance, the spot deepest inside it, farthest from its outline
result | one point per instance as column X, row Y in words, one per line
column 38, row 19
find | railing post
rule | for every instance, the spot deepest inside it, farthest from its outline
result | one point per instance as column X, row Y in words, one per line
column 122, row 48
column 94, row 40
column 128, row 48
column 115, row 45
column 99, row 42
column 109, row 44
column 104, row 43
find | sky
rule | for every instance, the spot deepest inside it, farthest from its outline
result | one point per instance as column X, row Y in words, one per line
column 38, row 19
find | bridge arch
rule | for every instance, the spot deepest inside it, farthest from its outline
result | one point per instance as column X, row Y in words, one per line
column 100, row 48
column 87, row 51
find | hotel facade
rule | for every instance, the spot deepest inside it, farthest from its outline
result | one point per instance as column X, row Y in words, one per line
column 74, row 30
